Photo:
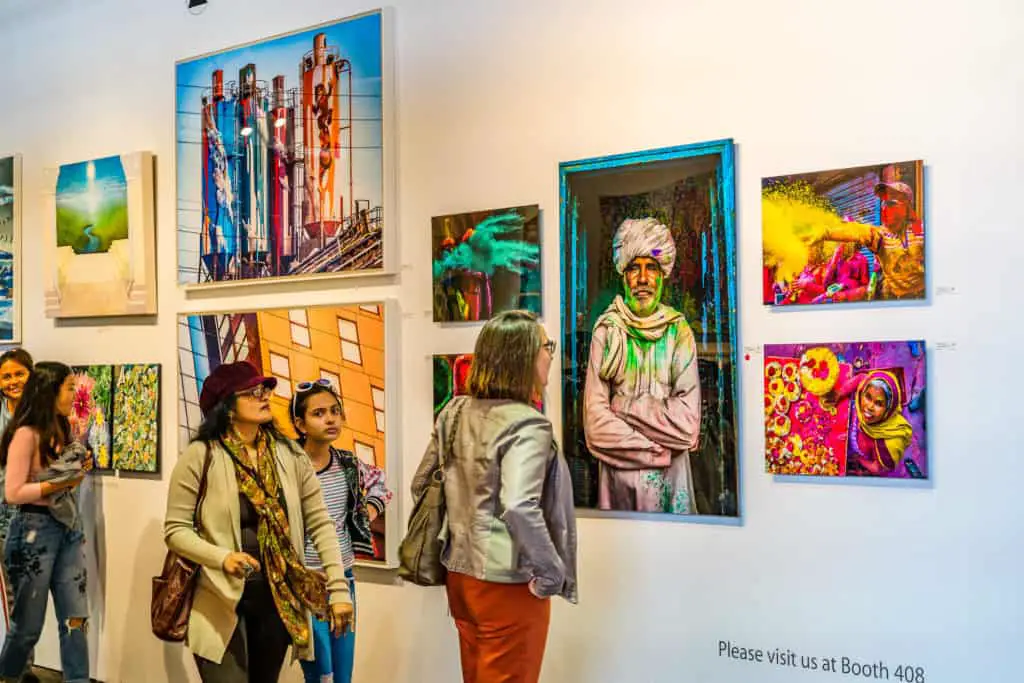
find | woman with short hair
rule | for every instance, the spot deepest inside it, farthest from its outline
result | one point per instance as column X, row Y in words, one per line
column 511, row 541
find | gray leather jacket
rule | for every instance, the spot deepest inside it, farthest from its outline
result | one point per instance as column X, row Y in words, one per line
column 508, row 495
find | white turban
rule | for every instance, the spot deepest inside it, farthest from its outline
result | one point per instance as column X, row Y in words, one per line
column 638, row 237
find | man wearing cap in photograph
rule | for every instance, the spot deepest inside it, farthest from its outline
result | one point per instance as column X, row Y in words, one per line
column 898, row 242
column 255, row 596
column 641, row 402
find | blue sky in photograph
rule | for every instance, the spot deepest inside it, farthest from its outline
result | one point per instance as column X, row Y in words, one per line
column 74, row 178
column 109, row 182
column 358, row 40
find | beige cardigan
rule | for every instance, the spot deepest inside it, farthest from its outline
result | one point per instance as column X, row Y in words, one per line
column 213, row 618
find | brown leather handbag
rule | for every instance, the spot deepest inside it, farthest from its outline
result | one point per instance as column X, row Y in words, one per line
column 173, row 589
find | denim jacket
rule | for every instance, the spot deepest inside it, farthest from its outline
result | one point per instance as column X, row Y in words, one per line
column 509, row 501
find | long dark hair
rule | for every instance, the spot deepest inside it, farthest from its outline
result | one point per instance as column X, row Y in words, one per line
column 298, row 406
column 37, row 410
column 217, row 423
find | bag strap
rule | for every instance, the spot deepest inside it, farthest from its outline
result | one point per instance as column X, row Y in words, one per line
column 197, row 517
column 450, row 443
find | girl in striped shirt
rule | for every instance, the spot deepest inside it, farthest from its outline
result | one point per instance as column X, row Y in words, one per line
column 355, row 494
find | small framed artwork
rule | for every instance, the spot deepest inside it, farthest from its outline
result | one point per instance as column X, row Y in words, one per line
column 353, row 348
column 649, row 345
column 101, row 239
column 10, row 249
column 283, row 157
column 92, row 411
column 486, row 262
column 845, row 235
column 136, row 418
column 451, row 372
column 848, row 409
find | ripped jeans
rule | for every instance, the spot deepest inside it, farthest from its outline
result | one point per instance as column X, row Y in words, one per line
column 44, row 556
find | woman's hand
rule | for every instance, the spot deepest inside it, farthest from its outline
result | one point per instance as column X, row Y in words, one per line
column 49, row 488
column 240, row 565
column 342, row 618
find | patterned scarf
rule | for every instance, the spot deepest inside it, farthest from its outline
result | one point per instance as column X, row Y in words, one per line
column 644, row 330
column 295, row 588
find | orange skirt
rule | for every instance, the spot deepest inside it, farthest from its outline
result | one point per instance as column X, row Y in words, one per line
column 503, row 629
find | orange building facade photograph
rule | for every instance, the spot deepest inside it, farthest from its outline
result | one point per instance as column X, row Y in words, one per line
column 344, row 345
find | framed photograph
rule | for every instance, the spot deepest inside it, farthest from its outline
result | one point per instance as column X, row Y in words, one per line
column 450, row 373
column 649, row 316
column 353, row 347
column 486, row 262
column 846, row 235
column 10, row 249
column 283, row 165
column 101, row 243
column 849, row 409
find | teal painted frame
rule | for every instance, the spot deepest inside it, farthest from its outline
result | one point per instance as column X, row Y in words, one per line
column 573, row 271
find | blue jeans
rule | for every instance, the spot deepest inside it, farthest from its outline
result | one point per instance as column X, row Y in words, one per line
column 43, row 556
column 334, row 655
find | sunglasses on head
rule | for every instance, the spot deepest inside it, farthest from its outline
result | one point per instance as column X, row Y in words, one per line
column 303, row 387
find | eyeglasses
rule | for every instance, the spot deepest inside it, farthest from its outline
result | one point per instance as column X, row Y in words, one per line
column 549, row 346
column 257, row 392
column 303, row 387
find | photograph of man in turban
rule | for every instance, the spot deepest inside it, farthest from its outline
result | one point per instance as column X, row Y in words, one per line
column 642, row 395
column 649, row 367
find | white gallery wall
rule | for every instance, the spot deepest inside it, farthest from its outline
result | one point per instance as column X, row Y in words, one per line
column 490, row 96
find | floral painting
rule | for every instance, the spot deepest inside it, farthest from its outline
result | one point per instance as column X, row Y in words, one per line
column 854, row 409
column 136, row 444
column 91, row 411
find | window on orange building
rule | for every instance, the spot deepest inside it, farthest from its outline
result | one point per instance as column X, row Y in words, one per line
column 378, row 407
column 374, row 309
column 280, row 368
column 349, row 334
column 299, row 326
column 335, row 381
column 333, row 378
column 238, row 349
column 365, row 452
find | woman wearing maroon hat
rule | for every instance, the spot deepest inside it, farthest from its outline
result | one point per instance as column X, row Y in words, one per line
column 255, row 596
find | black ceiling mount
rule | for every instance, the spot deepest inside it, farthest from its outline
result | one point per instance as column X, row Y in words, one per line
column 192, row 4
